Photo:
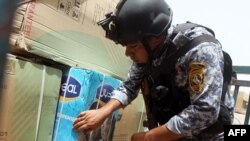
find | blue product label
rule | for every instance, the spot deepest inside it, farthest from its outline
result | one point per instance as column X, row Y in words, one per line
column 104, row 93
column 69, row 90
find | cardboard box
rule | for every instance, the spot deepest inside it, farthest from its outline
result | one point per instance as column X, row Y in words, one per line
column 80, row 89
column 131, row 120
column 241, row 102
column 51, row 29
column 29, row 100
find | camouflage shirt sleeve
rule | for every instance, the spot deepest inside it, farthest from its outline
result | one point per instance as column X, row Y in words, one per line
column 200, row 71
column 129, row 89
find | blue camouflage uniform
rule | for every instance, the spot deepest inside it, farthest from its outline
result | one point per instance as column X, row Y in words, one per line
column 204, row 61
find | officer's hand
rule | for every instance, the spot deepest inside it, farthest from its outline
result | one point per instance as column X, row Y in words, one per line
column 89, row 120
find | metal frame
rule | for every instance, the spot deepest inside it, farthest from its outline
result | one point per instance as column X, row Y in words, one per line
column 242, row 83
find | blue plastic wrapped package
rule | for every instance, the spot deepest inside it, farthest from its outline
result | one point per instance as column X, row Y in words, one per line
column 81, row 90
column 78, row 90
column 106, row 130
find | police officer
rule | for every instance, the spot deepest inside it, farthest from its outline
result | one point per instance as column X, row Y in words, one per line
column 144, row 28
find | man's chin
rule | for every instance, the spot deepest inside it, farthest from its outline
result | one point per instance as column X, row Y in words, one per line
column 138, row 61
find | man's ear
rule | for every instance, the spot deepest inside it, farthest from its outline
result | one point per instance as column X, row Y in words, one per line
column 156, row 41
column 160, row 39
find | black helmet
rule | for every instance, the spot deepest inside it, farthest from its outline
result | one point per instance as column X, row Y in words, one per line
column 137, row 19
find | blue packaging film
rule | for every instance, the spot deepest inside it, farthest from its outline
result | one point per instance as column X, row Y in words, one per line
column 80, row 91
column 106, row 130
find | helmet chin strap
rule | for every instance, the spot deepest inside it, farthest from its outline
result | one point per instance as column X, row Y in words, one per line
column 150, row 55
column 148, row 49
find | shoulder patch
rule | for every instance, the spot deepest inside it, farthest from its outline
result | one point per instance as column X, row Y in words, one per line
column 196, row 73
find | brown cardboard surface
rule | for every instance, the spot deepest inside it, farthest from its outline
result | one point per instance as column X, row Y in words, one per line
column 50, row 30
column 6, row 108
column 131, row 120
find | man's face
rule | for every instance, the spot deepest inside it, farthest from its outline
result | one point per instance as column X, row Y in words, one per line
column 137, row 52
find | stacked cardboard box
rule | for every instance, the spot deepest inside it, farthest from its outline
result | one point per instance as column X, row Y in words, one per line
column 241, row 102
column 66, row 31
column 81, row 90
column 131, row 120
column 29, row 100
